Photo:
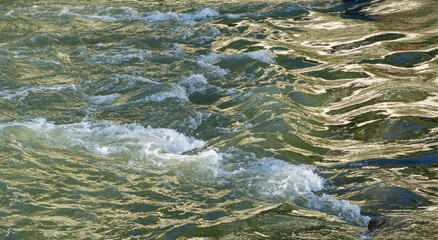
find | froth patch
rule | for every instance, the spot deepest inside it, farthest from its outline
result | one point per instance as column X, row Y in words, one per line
column 197, row 83
column 22, row 93
column 288, row 180
column 129, row 14
column 166, row 91
column 124, row 83
column 105, row 99
column 137, row 89
column 274, row 178
column 265, row 178
column 102, row 14
column 194, row 83
column 265, row 56
column 98, row 14
column 212, row 57
column 342, row 208
column 133, row 141
column 172, row 16
column 119, row 56
column 281, row 181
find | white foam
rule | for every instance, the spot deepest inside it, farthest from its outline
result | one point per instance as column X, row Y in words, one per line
column 195, row 121
column 178, row 48
column 64, row 11
column 275, row 179
column 175, row 142
column 217, row 70
column 161, row 17
column 194, row 83
column 167, row 91
column 202, row 14
column 103, row 18
column 123, row 83
column 132, row 141
column 44, row 36
column 198, row 83
column 130, row 11
column 265, row 56
column 134, row 80
column 266, row 178
column 288, row 180
column 143, row 90
column 183, row 32
column 105, row 99
column 210, row 33
column 119, row 55
column 172, row 16
column 101, row 14
column 235, row 16
column 212, row 57
column 342, row 208
column 22, row 93
column 160, row 97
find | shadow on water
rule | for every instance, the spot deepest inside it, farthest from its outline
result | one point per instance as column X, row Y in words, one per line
column 355, row 9
column 405, row 59
column 383, row 128
column 421, row 160
column 368, row 41
column 385, row 197
column 387, row 193
column 331, row 74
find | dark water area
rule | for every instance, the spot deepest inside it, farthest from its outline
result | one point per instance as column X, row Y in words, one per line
column 219, row 119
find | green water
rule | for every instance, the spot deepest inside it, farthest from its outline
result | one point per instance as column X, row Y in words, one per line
column 218, row 119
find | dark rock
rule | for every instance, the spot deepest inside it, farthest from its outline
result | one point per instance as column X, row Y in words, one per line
column 377, row 223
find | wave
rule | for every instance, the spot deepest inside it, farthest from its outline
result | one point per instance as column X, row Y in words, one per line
column 172, row 16
column 130, row 14
column 162, row 148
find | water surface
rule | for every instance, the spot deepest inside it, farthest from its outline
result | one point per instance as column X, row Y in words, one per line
column 218, row 119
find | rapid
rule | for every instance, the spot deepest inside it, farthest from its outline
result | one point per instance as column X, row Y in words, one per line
column 218, row 119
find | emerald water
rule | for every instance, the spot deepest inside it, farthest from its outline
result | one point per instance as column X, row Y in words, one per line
column 218, row 119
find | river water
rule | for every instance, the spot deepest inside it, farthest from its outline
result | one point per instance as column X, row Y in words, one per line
column 218, row 119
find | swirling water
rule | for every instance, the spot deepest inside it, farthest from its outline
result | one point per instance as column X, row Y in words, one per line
column 218, row 119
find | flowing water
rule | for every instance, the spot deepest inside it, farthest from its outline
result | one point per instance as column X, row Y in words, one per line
column 218, row 119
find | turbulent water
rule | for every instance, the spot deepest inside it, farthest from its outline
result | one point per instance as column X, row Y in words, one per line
column 218, row 119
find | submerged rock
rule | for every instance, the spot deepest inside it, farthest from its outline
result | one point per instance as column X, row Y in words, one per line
column 377, row 223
